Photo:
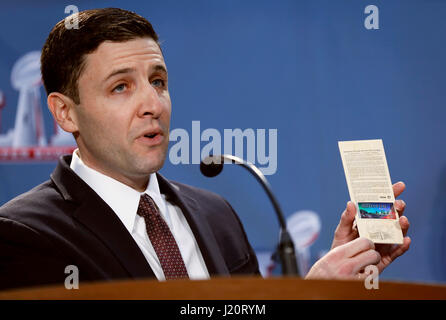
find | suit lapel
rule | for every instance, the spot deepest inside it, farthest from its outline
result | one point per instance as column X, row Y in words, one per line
column 100, row 219
column 204, row 236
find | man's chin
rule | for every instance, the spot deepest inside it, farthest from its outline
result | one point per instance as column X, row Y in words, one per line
column 149, row 167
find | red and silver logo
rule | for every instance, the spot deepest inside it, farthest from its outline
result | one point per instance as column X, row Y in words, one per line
column 27, row 141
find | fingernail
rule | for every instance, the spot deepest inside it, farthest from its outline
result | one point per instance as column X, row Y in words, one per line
column 401, row 204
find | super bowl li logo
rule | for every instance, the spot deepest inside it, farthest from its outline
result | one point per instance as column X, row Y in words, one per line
column 25, row 139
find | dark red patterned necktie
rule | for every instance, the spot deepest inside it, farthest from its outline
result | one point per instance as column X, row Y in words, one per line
column 162, row 240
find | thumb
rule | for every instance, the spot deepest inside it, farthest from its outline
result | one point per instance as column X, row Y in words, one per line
column 346, row 223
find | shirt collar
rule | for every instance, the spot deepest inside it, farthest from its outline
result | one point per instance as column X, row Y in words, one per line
column 121, row 198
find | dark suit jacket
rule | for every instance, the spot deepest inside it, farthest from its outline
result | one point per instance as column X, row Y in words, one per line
column 64, row 222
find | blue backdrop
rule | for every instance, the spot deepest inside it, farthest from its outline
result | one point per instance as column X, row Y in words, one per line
column 311, row 70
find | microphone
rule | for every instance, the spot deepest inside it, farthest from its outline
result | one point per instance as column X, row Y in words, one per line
column 212, row 166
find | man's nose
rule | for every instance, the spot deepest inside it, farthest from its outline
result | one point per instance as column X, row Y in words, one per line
column 149, row 102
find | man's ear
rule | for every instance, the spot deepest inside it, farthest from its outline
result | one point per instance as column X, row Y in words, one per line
column 62, row 108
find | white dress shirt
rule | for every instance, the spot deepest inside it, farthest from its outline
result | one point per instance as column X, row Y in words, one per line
column 124, row 201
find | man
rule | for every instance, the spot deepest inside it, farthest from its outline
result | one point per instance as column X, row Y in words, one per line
column 105, row 209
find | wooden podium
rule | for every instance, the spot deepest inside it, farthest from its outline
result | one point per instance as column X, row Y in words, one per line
column 234, row 288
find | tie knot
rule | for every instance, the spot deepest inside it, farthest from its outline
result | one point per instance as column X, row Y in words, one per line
column 147, row 206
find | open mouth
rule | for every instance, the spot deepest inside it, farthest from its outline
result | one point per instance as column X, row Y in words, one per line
column 152, row 138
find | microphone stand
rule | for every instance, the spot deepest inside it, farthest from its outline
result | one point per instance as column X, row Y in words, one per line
column 209, row 167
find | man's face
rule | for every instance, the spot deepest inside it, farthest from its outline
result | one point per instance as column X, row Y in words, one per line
column 124, row 112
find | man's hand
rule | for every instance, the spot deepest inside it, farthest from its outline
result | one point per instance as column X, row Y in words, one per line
column 346, row 261
column 345, row 232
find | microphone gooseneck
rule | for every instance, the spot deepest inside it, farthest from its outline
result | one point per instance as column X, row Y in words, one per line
column 212, row 166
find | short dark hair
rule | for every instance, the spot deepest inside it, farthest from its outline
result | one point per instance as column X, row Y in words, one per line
column 63, row 54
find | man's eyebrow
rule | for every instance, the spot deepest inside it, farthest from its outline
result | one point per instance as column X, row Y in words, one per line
column 160, row 67
column 119, row 71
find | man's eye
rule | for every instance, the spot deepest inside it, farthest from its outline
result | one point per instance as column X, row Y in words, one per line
column 120, row 88
column 159, row 83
